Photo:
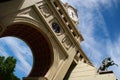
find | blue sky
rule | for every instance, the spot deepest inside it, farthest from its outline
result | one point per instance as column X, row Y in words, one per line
column 99, row 23
column 12, row 46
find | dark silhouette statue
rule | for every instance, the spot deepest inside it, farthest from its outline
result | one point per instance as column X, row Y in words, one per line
column 105, row 64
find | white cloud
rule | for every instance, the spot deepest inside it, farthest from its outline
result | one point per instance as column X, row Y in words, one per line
column 93, row 3
column 113, row 49
column 97, row 44
column 90, row 16
column 3, row 52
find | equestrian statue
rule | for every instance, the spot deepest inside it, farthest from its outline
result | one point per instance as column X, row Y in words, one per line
column 107, row 62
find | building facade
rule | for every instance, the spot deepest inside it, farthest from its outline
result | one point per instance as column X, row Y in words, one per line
column 49, row 27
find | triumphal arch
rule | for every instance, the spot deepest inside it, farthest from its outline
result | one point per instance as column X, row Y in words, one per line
column 49, row 27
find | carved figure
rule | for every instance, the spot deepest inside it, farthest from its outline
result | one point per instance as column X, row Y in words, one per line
column 106, row 63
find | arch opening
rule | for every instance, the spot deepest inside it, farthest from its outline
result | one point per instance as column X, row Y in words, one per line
column 40, row 46
column 17, row 48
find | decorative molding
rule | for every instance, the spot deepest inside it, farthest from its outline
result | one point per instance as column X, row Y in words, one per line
column 67, row 42
column 26, row 11
column 29, row 13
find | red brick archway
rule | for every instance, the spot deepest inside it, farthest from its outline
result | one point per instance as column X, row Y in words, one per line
column 40, row 46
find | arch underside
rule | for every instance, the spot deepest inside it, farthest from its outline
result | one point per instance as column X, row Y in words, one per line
column 37, row 42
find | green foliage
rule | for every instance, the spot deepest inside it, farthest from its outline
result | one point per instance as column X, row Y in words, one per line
column 7, row 68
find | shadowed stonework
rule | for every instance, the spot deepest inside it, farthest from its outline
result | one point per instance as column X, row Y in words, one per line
column 39, row 45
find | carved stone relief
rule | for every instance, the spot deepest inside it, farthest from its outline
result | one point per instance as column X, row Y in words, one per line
column 45, row 10
column 66, row 42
